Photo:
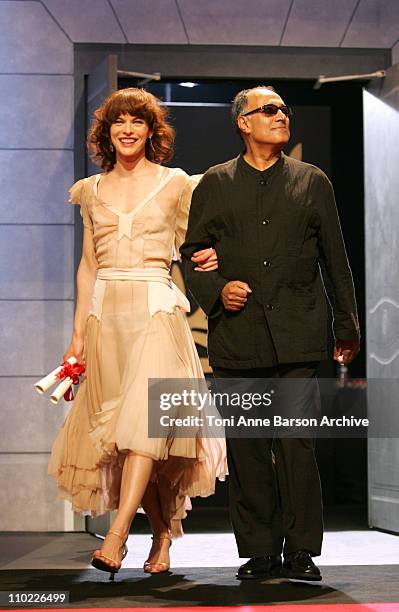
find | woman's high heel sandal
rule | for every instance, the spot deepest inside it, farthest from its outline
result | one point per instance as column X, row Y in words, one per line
column 157, row 567
column 106, row 564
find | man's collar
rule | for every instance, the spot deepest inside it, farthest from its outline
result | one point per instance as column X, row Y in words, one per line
column 246, row 167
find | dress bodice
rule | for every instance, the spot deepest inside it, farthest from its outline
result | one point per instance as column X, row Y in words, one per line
column 146, row 236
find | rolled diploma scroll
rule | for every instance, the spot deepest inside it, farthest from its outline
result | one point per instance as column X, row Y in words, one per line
column 60, row 390
column 48, row 381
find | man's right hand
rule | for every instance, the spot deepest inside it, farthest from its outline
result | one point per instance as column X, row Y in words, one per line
column 234, row 295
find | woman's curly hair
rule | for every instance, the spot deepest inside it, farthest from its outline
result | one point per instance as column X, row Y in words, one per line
column 138, row 103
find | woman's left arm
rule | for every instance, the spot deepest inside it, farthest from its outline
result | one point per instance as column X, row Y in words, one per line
column 206, row 259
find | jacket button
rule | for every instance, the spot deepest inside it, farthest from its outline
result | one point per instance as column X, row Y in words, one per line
column 265, row 222
column 263, row 183
column 267, row 264
column 269, row 307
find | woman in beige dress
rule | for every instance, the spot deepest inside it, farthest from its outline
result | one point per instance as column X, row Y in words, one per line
column 130, row 325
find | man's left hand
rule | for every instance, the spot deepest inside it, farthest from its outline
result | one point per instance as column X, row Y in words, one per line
column 206, row 260
column 345, row 351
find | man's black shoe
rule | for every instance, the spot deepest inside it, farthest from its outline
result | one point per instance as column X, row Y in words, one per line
column 299, row 565
column 260, row 567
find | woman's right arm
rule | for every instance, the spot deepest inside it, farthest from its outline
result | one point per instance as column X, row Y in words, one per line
column 85, row 279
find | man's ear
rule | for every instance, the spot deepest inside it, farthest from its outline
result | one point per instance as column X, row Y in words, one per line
column 243, row 124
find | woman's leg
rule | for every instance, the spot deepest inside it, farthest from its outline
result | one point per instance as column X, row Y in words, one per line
column 151, row 503
column 135, row 478
column 152, row 507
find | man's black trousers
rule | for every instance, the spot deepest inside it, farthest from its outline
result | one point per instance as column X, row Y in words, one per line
column 274, row 484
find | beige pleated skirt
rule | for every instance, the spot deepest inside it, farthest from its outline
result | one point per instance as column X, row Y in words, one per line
column 124, row 347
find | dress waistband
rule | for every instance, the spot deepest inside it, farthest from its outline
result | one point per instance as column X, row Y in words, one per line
column 163, row 294
column 157, row 275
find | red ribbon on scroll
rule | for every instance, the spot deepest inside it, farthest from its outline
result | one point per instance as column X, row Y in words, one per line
column 72, row 371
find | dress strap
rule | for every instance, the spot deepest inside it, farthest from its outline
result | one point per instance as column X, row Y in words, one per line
column 168, row 174
column 95, row 186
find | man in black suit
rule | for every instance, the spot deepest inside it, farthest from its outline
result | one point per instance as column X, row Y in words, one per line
column 274, row 224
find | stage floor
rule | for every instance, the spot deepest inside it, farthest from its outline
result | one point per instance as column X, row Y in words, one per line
column 209, row 587
column 208, row 543
column 359, row 566
column 206, row 550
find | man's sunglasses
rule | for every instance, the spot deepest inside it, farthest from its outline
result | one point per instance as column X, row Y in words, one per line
column 269, row 110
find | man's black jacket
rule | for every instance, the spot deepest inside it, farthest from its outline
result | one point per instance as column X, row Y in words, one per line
column 276, row 230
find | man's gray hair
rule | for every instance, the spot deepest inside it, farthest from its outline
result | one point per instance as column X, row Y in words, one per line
column 240, row 103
